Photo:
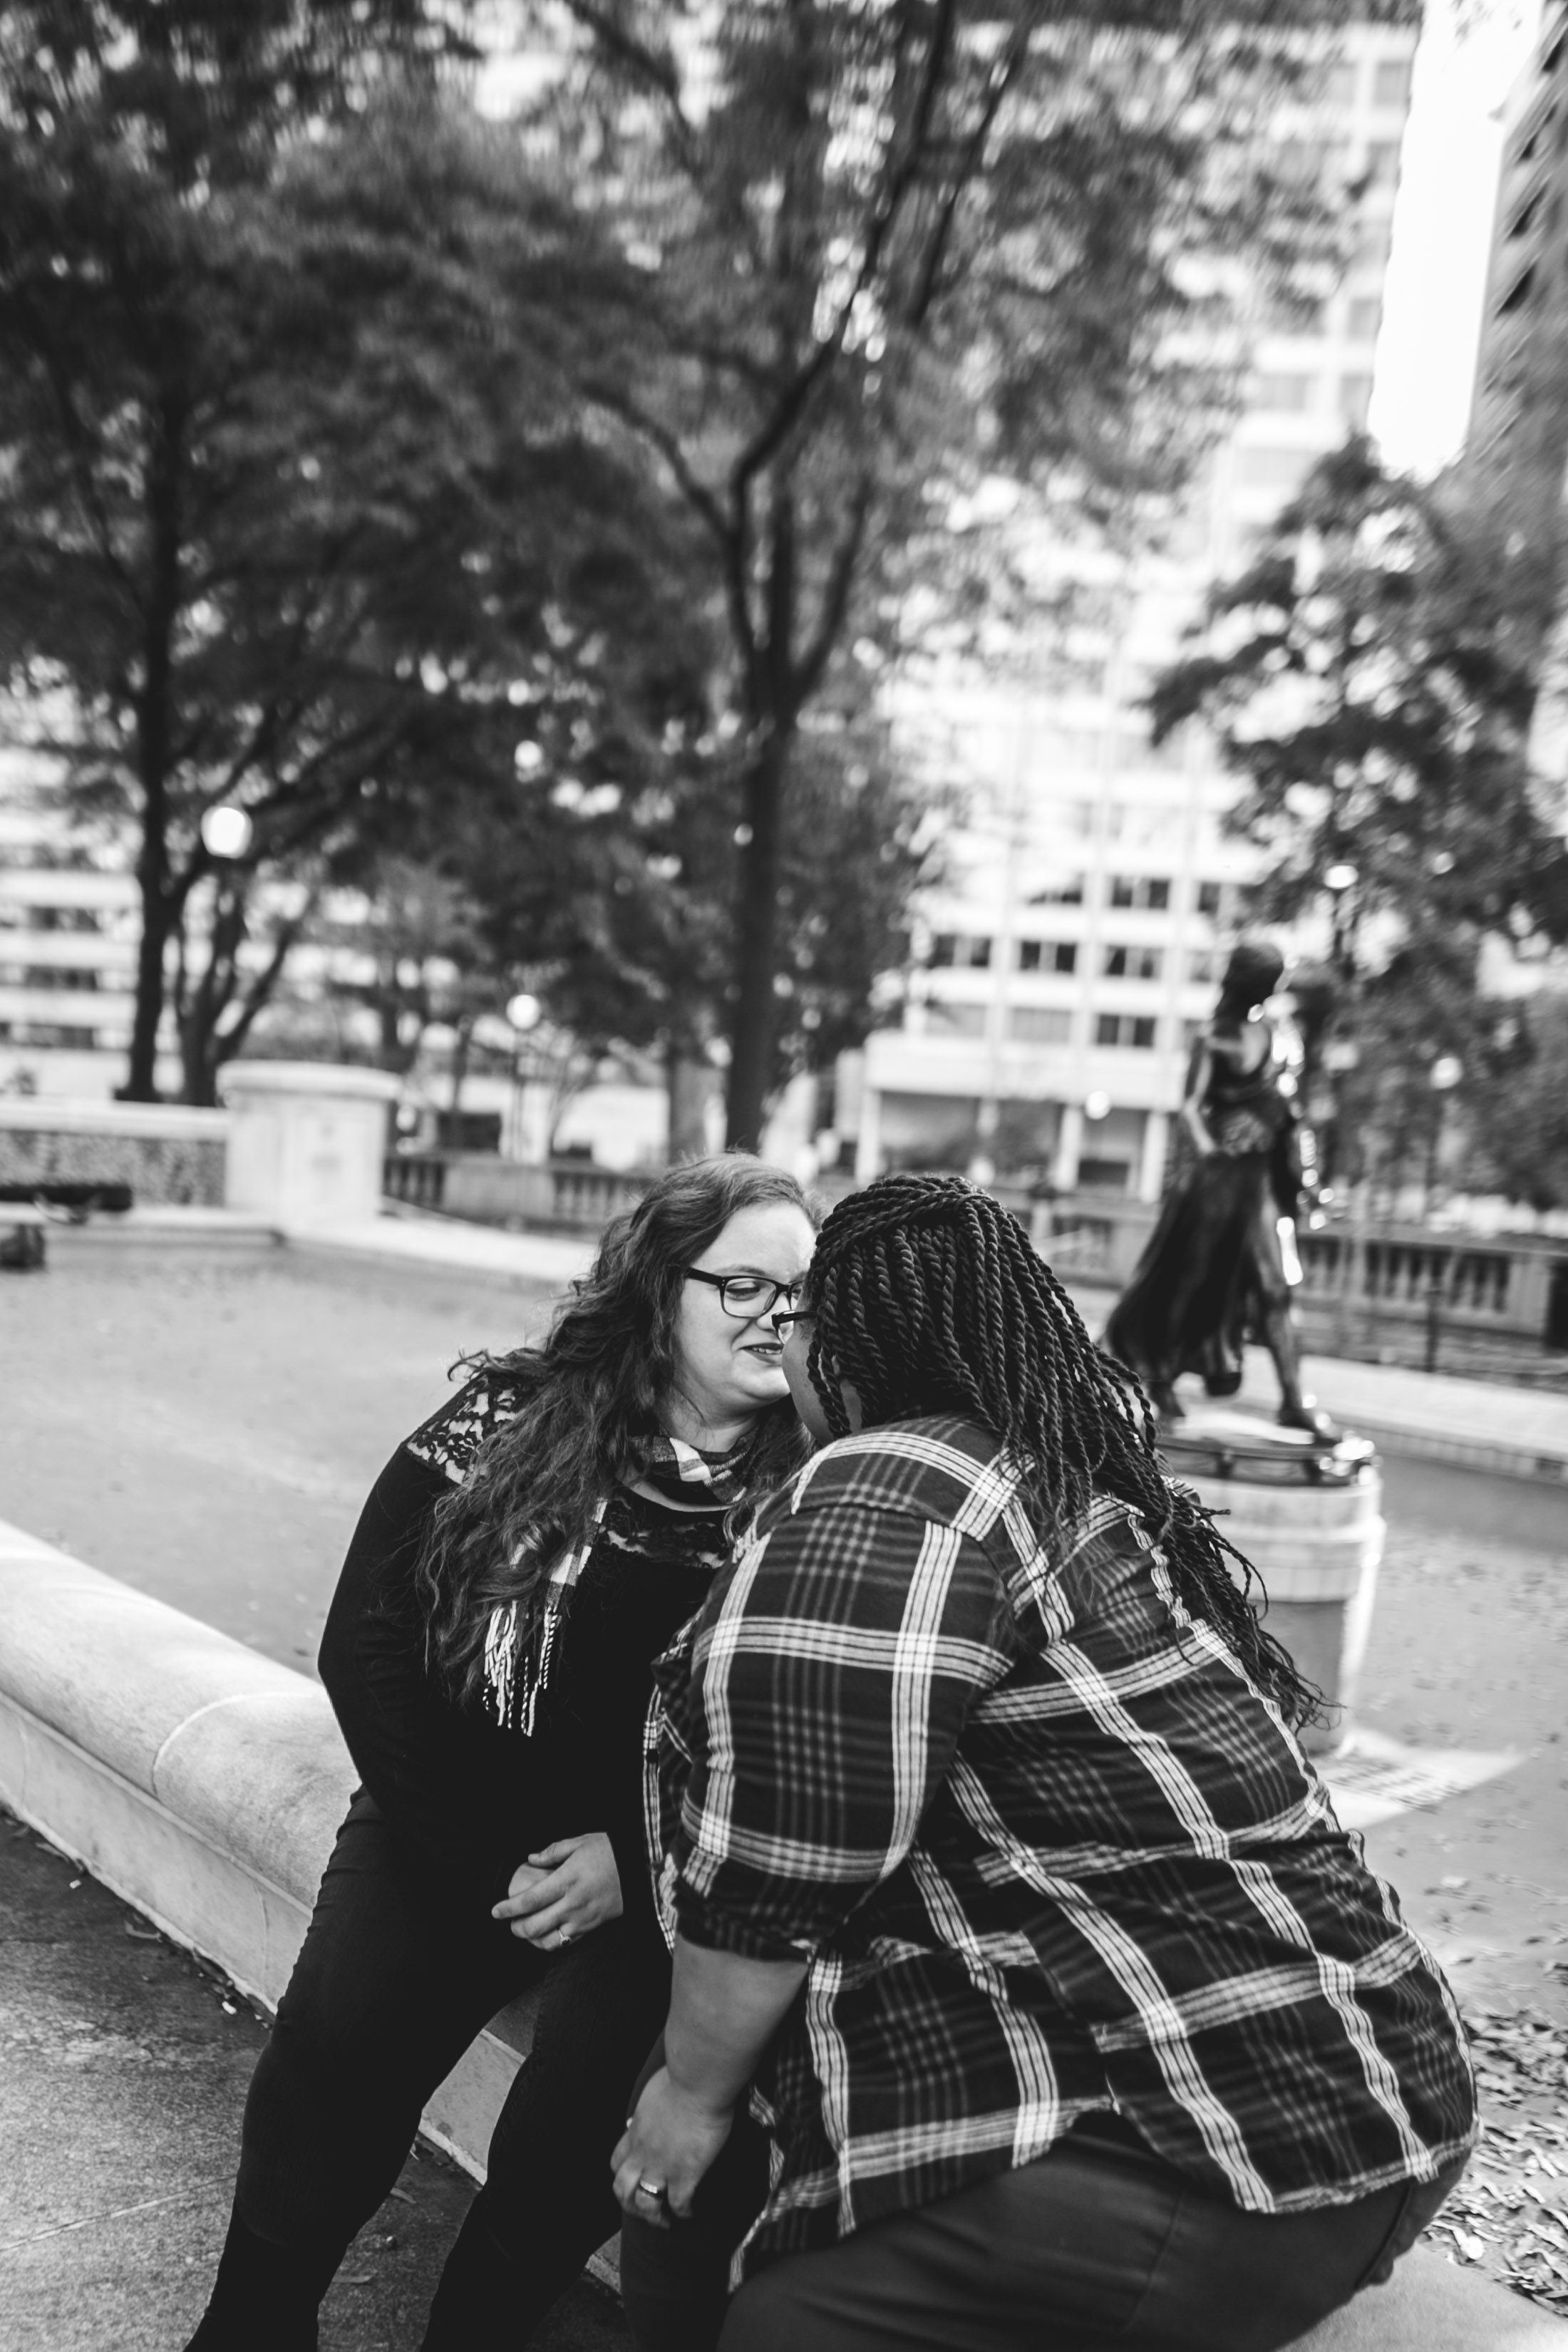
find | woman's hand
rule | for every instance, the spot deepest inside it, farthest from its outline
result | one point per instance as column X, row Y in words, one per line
column 564, row 1892
column 668, row 2145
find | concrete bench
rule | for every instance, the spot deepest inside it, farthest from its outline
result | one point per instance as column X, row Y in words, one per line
column 204, row 1785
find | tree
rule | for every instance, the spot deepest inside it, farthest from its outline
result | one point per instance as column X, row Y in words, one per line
column 1370, row 679
column 297, row 503
column 885, row 254
column 617, row 905
column 1516, row 1103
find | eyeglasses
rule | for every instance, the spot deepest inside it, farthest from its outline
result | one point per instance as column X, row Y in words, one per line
column 748, row 1296
column 794, row 1315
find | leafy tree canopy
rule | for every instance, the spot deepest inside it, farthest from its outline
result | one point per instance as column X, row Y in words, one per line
column 888, row 254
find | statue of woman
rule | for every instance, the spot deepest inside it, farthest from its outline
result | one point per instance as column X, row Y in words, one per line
column 1215, row 1266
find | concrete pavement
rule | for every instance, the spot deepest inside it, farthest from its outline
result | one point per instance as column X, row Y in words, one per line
column 1473, row 1425
column 124, row 2071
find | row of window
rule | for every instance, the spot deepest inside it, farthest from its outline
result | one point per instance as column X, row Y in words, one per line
column 49, row 919
column 968, row 951
column 48, row 976
column 41, row 1035
column 1389, row 82
column 1050, row 1024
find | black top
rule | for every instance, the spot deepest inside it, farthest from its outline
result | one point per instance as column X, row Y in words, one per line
column 470, row 1795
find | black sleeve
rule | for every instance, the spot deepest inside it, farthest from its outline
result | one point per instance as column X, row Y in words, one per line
column 417, row 1754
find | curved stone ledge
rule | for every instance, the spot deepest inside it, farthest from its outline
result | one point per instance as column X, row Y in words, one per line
column 204, row 1785
column 200, row 1782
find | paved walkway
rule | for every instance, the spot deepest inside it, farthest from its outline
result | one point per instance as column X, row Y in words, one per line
column 1473, row 1425
column 125, row 2070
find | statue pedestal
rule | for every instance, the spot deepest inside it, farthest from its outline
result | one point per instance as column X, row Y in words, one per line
column 307, row 1140
column 1309, row 1516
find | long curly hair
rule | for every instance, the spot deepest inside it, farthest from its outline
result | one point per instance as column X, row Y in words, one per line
column 597, row 1383
column 928, row 1298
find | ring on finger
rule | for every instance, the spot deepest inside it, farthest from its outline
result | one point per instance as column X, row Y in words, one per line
column 654, row 2191
column 563, row 1934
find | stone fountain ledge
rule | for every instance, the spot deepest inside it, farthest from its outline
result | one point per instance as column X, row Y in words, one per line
column 203, row 1785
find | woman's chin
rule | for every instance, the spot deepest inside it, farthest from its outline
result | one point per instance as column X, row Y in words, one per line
column 761, row 1385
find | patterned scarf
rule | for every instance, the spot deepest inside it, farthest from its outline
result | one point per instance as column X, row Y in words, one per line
column 517, row 1658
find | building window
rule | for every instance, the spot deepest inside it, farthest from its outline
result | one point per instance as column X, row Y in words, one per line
column 51, row 975
column 1390, row 82
column 1382, row 163
column 1067, row 892
column 1048, row 955
column 1272, row 469
column 1201, row 964
column 1133, row 963
column 961, row 950
column 1039, row 1024
column 1209, row 895
column 1341, row 84
column 63, row 918
column 1286, row 393
column 1152, row 891
column 1373, row 250
column 1355, row 399
column 1362, row 319
column 957, row 1020
column 1125, row 1029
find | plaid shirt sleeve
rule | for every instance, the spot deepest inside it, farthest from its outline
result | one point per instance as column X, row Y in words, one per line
column 833, row 1670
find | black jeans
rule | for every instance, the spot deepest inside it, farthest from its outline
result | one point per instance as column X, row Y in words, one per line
column 402, row 1966
column 1093, row 2248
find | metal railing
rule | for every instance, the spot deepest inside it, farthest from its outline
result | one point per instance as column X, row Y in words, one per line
column 484, row 1188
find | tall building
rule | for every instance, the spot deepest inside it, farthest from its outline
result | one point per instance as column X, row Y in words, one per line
column 1074, row 950
column 70, row 921
column 1519, row 423
column 1516, row 453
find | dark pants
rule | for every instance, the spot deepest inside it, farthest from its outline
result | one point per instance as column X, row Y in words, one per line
column 1090, row 2248
column 402, row 1966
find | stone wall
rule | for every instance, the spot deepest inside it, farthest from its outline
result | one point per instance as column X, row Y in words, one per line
column 169, row 1155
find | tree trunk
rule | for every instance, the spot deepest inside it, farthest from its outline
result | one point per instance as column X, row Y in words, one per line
column 141, row 1076
column 688, row 1078
column 155, row 736
column 756, row 941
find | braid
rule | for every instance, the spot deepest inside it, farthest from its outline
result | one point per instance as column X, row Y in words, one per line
column 928, row 1298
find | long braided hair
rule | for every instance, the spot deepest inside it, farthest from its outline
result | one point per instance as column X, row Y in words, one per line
column 928, row 1298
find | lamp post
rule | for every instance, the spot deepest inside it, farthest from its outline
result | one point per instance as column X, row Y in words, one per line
column 1341, row 1056
column 1442, row 1077
column 522, row 1012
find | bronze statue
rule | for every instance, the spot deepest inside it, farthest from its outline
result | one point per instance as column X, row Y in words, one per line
column 1219, row 1262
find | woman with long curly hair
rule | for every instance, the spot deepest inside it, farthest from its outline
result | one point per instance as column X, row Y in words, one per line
column 992, row 1865
column 521, row 1561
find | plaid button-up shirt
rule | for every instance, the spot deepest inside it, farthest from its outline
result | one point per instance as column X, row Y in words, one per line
column 1047, row 1850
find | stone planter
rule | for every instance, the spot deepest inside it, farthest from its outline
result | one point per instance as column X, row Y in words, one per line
column 307, row 1140
column 1310, row 1521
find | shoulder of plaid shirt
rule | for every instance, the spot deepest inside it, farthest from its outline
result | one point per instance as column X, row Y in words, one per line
column 1047, row 1850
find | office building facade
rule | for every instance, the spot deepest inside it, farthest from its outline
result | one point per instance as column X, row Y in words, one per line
column 1064, row 966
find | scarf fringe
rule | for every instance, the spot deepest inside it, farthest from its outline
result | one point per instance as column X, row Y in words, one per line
column 518, row 1656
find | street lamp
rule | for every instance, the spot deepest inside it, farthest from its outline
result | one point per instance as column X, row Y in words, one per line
column 226, row 832
column 523, row 1013
column 1442, row 1076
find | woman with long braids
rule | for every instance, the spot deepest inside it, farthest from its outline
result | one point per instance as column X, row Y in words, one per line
column 993, row 1865
column 521, row 1561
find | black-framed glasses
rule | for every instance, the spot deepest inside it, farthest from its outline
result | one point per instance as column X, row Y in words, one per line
column 748, row 1296
column 790, row 1318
